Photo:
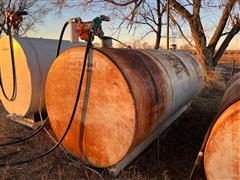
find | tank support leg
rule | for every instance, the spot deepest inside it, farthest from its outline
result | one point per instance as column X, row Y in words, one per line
column 29, row 121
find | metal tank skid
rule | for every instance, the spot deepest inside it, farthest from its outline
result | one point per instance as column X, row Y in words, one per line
column 33, row 58
column 130, row 96
column 222, row 150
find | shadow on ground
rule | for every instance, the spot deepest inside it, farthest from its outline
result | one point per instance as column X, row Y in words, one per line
column 178, row 148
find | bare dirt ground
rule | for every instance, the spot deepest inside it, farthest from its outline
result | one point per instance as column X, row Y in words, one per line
column 177, row 148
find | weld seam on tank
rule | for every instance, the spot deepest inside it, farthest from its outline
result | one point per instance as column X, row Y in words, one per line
column 157, row 90
column 138, row 137
column 141, row 63
column 130, row 89
column 194, row 75
column 156, row 60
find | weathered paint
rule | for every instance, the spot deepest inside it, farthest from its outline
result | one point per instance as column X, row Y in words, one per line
column 132, row 91
column 222, row 151
column 33, row 58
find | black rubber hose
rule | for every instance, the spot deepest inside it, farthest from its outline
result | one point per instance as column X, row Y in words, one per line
column 200, row 152
column 21, row 13
column 72, row 116
column 14, row 91
column 23, row 139
column 61, row 37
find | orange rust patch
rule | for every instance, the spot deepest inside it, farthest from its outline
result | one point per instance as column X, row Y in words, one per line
column 222, row 152
column 110, row 120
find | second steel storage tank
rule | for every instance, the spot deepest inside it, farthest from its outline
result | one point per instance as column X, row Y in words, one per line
column 33, row 58
column 222, row 151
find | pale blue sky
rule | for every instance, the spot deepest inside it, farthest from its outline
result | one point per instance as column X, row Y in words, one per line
column 53, row 24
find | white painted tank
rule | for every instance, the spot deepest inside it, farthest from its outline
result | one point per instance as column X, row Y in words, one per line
column 33, row 59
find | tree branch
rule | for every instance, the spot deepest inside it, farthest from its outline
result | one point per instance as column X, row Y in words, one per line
column 122, row 4
column 151, row 12
column 221, row 24
column 180, row 30
column 235, row 29
column 146, row 21
column 196, row 7
column 183, row 11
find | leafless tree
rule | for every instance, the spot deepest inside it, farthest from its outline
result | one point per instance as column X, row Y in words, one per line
column 190, row 11
column 36, row 9
column 228, row 25
column 134, row 14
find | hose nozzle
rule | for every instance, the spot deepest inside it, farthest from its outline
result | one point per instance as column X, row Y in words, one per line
column 21, row 13
column 14, row 18
column 105, row 18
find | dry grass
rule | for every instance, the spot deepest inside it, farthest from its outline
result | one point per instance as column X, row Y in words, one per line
column 214, row 80
column 178, row 147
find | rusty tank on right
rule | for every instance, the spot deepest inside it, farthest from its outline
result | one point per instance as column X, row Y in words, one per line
column 222, row 149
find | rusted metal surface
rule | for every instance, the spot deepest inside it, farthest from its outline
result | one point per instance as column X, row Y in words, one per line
column 132, row 92
column 232, row 93
column 222, row 152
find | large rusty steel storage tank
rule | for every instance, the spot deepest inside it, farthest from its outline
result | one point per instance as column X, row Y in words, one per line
column 222, row 151
column 33, row 58
column 131, row 93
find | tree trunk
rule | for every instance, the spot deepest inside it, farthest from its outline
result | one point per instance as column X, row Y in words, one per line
column 224, row 45
column 204, row 54
column 159, row 28
column 158, row 38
